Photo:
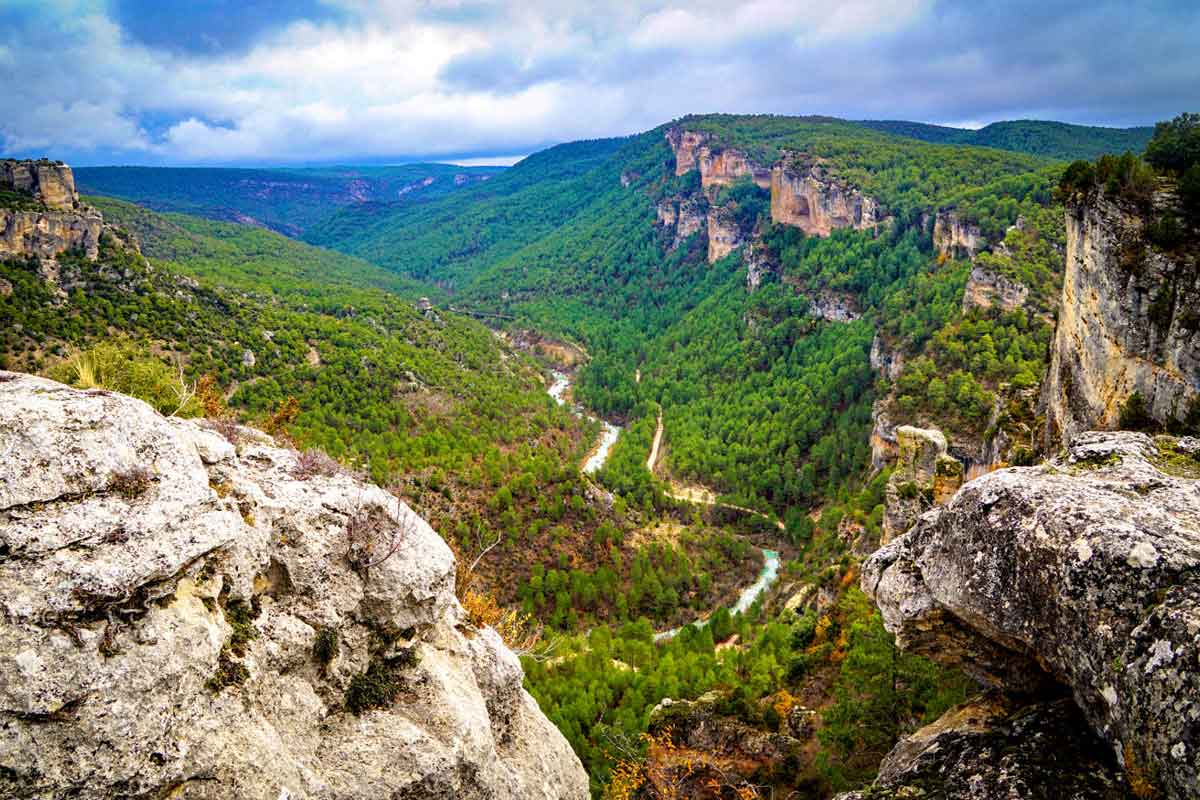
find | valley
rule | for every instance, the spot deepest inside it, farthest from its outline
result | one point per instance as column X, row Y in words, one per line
column 695, row 422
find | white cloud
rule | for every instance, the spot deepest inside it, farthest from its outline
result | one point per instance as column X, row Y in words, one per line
column 462, row 78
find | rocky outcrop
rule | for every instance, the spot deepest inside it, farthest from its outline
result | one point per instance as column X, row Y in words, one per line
column 760, row 263
column 681, row 217
column 713, row 754
column 726, row 167
column 724, row 233
column 187, row 618
column 1129, row 321
column 997, row 748
column 686, row 146
column 925, row 476
column 53, row 220
column 46, row 234
column 952, row 236
column 987, row 289
column 1085, row 573
column 804, row 195
column 51, row 183
column 834, row 306
column 719, row 167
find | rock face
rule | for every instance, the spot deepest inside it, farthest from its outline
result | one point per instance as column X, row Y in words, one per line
column 994, row 748
column 1128, row 322
column 717, row 168
column 925, row 475
column 727, row 166
column 759, row 264
column 685, row 145
column 1083, row 572
column 953, row 236
column 55, row 222
column 682, row 216
column 835, row 306
column 724, row 234
column 182, row 618
column 48, row 182
column 986, row 289
column 805, row 196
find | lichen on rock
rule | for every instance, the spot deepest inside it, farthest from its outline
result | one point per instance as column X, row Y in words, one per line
column 1083, row 572
column 176, row 640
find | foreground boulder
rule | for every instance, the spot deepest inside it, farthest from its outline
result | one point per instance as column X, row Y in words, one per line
column 1083, row 572
column 995, row 748
column 184, row 618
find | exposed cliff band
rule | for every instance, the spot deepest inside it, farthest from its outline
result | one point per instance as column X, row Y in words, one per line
column 803, row 193
column 1129, row 322
column 47, row 218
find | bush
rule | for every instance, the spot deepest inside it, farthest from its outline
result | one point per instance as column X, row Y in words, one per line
column 1189, row 194
column 1175, row 146
column 125, row 368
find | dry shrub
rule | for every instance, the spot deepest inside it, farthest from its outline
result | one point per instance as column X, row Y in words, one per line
column 1140, row 777
column 671, row 772
column 130, row 482
column 372, row 536
column 226, row 427
column 521, row 632
column 283, row 416
column 208, row 394
column 315, row 462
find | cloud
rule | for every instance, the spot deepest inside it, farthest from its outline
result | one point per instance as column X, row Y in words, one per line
column 343, row 80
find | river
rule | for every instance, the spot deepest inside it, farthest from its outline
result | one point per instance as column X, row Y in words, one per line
column 766, row 577
column 608, row 431
column 608, row 437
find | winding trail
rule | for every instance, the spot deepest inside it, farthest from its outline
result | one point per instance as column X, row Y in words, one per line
column 652, row 461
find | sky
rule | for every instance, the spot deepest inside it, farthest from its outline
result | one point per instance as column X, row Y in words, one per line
column 262, row 82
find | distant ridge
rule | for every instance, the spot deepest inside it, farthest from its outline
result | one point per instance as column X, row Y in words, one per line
column 285, row 200
column 1060, row 140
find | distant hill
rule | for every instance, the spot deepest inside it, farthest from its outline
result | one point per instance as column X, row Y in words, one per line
column 284, row 200
column 1058, row 140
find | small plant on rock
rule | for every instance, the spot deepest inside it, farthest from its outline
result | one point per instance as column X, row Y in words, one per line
column 325, row 646
column 131, row 482
column 373, row 536
column 315, row 462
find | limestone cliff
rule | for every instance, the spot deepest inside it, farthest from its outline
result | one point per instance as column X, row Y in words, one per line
column 1082, row 573
column 987, row 289
column 925, row 476
column 718, row 166
column 803, row 191
column 47, row 218
column 49, row 182
column 187, row 618
column 724, row 233
column 1129, row 322
column 996, row 747
column 954, row 236
column 803, row 194
column 680, row 217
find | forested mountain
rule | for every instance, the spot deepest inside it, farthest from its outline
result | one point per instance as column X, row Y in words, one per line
column 763, row 302
column 1058, row 140
column 287, row 200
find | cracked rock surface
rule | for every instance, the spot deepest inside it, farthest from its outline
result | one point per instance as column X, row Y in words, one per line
column 179, row 617
column 1084, row 572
